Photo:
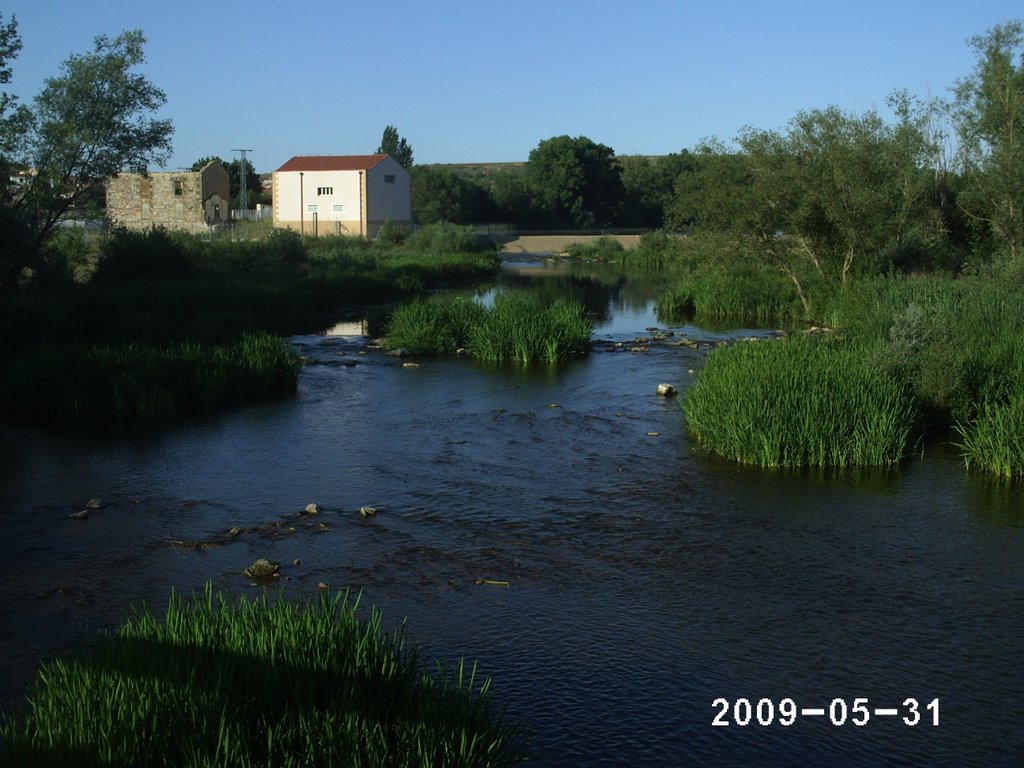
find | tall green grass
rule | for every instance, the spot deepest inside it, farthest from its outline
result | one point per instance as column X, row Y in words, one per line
column 799, row 403
column 141, row 381
column 516, row 328
column 237, row 682
column 994, row 440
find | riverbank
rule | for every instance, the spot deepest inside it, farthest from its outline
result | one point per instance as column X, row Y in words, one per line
column 557, row 244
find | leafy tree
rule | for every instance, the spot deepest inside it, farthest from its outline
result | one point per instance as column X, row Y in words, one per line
column 90, row 123
column 648, row 187
column 14, row 119
column 821, row 201
column 578, row 182
column 989, row 114
column 438, row 194
column 396, row 146
column 512, row 199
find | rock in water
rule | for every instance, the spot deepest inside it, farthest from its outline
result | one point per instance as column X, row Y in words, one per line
column 367, row 511
column 262, row 569
column 666, row 390
column 312, row 509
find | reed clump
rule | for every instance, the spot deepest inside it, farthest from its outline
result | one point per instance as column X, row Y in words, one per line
column 259, row 682
column 515, row 328
column 994, row 440
column 800, row 403
column 54, row 382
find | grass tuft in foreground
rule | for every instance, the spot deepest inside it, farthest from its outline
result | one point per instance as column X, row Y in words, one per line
column 240, row 683
column 799, row 403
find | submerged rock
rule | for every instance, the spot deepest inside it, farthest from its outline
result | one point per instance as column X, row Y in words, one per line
column 263, row 569
column 83, row 515
column 400, row 352
column 93, row 504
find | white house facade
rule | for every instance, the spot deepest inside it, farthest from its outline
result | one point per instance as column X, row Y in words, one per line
column 341, row 194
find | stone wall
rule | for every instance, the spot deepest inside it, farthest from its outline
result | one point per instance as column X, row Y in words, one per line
column 189, row 201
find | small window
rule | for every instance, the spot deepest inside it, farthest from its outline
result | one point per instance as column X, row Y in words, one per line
column 389, row 178
column 324, row 191
column 338, row 208
column 179, row 187
column 312, row 207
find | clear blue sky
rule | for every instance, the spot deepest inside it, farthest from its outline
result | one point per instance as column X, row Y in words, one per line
column 478, row 81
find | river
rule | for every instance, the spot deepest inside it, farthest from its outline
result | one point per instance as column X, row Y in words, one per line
column 645, row 580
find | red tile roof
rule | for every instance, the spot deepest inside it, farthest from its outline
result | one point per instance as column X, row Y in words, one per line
column 331, row 163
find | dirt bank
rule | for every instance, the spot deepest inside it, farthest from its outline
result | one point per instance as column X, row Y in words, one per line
column 558, row 243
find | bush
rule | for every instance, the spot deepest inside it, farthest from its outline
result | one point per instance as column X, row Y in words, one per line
column 154, row 254
column 286, row 245
column 605, row 248
column 444, row 237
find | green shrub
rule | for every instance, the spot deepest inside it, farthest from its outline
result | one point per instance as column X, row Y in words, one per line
column 129, row 254
column 799, row 403
column 445, row 237
column 243, row 683
column 286, row 245
column 605, row 248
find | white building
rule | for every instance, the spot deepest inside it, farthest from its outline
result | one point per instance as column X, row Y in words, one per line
column 341, row 194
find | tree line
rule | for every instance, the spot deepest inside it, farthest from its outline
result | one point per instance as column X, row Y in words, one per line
column 835, row 192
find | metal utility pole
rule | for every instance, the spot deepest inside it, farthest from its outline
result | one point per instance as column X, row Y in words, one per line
column 243, row 172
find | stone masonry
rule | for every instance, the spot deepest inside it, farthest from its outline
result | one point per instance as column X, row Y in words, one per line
column 192, row 201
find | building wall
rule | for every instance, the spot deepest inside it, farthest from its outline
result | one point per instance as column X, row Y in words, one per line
column 389, row 193
column 342, row 202
column 331, row 198
column 172, row 200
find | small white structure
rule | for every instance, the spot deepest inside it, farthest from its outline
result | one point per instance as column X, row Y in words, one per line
column 341, row 194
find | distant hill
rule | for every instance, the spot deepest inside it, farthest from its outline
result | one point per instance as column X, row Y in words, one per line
column 478, row 171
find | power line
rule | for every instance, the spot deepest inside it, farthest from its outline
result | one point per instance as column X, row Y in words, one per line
column 243, row 173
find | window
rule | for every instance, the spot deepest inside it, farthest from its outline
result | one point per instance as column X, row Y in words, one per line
column 324, row 191
column 389, row 178
column 312, row 207
column 338, row 208
column 179, row 187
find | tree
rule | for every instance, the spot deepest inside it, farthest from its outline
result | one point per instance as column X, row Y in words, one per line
column 440, row 195
column 91, row 122
column 14, row 119
column 989, row 114
column 821, row 201
column 392, row 144
column 578, row 182
column 648, row 185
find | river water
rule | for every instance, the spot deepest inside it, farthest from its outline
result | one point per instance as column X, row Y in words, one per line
column 644, row 579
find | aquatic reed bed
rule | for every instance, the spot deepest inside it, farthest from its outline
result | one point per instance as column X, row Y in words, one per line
column 516, row 328
column 240, row 682
column 743, row 292
column 143, row 381
column 799, row 403
column 994, row 441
